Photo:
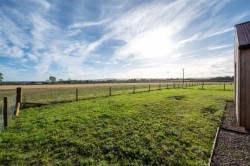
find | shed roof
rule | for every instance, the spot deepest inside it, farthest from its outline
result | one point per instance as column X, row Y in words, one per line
column 243, row 33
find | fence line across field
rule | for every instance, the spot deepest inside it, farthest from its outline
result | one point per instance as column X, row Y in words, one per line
column 48, row 96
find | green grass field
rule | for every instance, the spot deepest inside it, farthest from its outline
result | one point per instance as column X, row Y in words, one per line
column 162, row 127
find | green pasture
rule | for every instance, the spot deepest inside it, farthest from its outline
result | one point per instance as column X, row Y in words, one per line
column 160, row 127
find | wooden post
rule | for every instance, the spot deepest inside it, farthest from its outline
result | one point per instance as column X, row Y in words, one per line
column 17, row 109
column 18, row 97
column 167, row 86
column 110, row 91
column 5, row 112
column 76, row 94
column 202, row 86
column 149, row 87
column 133, row 88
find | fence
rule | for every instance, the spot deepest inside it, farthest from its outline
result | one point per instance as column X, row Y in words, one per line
column 44, row 96
column 9, row 107
column 7, row 110
column 1, row 115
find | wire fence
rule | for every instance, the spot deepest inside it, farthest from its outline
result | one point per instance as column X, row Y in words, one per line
column 64, row 94
column 1, row 115
column 11, row 107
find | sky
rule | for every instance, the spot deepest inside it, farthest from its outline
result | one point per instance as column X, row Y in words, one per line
column 99, row 39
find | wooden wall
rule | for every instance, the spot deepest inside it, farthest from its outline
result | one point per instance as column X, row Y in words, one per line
column 245, row 88
column 236, row 78
column 242, row 84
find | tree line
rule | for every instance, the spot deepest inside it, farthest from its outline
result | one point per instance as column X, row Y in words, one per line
column 53, row 80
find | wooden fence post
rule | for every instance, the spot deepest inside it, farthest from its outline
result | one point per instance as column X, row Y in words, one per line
column 18, row 97
column 133, row 88
column 110, row 93
column 149, row 87
column 17, row 109
column 76, row 94
column 5, row 112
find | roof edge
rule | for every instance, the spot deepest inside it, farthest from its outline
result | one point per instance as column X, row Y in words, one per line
column 243, row 47
column 242, row 23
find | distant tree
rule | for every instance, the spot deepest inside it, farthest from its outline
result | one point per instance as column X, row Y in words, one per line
column 1, row 77
column 61, row 81
column 52, row 79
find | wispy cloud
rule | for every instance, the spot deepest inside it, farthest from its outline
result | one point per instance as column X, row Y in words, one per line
column 195, row 37
column 218, row 47
column 217, row 32
column 87, row 24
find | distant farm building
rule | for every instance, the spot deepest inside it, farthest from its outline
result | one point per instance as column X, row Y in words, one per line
column 242, row 73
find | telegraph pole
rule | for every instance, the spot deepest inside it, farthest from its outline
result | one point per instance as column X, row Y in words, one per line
column 183, row 76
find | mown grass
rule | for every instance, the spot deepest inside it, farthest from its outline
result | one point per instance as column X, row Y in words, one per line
column 167, row 127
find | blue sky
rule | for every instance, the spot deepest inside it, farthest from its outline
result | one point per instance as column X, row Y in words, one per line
column 96, row 39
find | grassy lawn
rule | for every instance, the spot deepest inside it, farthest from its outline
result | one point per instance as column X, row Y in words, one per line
column 163, row 127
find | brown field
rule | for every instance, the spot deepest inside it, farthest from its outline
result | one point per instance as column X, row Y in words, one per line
column 50, row 86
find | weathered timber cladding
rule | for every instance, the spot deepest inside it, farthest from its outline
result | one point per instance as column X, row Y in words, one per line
column 242, row 74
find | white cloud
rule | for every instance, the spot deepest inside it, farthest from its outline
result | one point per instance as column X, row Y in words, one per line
column 44, row 4
column 41, row 32
column 218, row 47
column 87, row 24
column 217, row 32
column 195, row 37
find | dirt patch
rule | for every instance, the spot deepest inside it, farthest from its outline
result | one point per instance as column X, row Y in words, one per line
column 233, row 145
column 177, row 97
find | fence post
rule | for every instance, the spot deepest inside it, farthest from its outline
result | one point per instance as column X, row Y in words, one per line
column 5, row 112
column 17, row 109
column 167, row 86
column 133, row 88
column 110, row 91
column 18, row 97
column 76, row 94
column 149, row 87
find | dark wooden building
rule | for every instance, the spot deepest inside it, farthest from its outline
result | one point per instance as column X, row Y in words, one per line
column 242, row 73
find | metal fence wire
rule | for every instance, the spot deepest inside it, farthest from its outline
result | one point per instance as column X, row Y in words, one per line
column 11, row 106
column 1, row 115
column 11, row 109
